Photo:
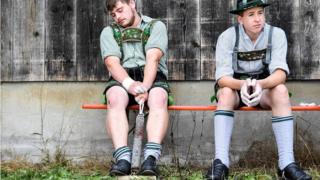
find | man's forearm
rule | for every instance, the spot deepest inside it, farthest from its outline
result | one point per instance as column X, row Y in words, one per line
column 276, row 78
column 150, row 73
column 116, row 70
column 228, row 81
column 151, row 67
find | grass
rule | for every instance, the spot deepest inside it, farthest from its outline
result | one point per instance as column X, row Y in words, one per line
column 52, row 171
column 98, row 171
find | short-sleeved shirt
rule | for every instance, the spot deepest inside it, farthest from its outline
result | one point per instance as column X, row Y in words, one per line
column 226, row 43
column 133, row 54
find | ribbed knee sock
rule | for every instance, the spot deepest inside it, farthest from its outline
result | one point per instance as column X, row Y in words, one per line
column 223, row 125
column 283, row 131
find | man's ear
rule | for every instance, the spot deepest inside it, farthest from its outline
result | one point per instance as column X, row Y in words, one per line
column 239, row 18
column 132, row 4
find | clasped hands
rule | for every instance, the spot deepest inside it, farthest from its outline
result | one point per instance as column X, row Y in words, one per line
column 251, row 92
column 136, row 88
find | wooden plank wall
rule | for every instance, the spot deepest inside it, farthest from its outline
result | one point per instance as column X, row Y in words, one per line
column 58, row 40
column 22, row 40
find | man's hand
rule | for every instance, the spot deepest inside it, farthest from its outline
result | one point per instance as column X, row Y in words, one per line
column 143, row 97
column 143, row 94
column 137, row 88
column 140, row 89
column 257, row 93
column 133, row 87
column 245, row 92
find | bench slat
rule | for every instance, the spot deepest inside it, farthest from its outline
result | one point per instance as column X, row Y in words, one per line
column 203, row 108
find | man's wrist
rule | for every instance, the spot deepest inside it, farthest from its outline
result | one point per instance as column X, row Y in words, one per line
column 145, row 85
column 242, row 82
column 261, row 83
column 127, row 82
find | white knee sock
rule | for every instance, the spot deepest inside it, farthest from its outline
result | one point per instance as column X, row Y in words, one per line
column 283, row 131
column 223, row 124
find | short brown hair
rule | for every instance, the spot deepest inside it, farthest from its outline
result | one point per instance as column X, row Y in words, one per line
column 110, row 4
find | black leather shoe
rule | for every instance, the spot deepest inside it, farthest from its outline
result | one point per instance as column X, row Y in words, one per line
column 149, row 167
column 217, row 171
column 293, row 172
column 121, row 168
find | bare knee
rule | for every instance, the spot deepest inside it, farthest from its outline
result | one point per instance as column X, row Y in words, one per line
column 227, row 97
column 158, row 98
column 117, row 97
column 279, row 94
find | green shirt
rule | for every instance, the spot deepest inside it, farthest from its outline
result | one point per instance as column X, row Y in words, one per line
column 133, row 54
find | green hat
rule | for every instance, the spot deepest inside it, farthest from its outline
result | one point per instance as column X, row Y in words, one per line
column 247, row 4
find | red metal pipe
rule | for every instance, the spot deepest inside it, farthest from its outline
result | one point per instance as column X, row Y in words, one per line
column 203, row 108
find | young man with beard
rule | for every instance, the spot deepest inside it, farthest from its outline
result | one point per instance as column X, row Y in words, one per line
column 134, row 51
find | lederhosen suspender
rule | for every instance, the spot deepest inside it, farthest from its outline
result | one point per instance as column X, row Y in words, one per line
column 264, row 55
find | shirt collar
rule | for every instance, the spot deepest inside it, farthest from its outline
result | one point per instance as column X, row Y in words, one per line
column 144, row 20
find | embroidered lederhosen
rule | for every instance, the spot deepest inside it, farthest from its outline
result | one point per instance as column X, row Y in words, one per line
column 135, row 35
column 263, row 55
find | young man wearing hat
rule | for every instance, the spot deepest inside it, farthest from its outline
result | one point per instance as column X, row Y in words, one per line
column 251, row 70
column 134, row 51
